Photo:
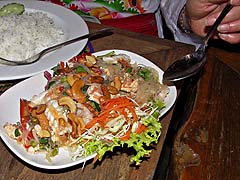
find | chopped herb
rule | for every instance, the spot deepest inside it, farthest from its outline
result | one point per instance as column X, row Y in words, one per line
column 80, row 69
column 33, row 143
column 85, row 88
column 43, row 141
column 129, row 70
column 144, row 73
column 16, row 132
column 63, row 79
column 112, row 53
column 95, row 105
column 54, row 152
column 55, row 70
column 50, row 84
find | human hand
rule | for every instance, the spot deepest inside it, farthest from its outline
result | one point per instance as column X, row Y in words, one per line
column 203, row 13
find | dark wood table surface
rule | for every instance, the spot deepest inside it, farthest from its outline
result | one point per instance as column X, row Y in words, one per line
column 207, row 143
column 203, row 126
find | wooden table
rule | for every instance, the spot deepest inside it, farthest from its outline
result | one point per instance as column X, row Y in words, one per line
column 206, row 141
column 115, row 166
column 188, row 110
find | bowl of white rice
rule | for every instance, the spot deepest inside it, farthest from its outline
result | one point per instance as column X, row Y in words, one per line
column 43, row 24
column 23, row 36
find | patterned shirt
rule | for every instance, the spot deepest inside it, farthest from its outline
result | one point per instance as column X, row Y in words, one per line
column 110, row 9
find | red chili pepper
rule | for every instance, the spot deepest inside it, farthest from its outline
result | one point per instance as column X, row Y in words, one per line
column 62, row 65
column 67, row 69
column 30, row 135
column 63, row 68
column 74, row 59
column 23, row 108
column 61, row 88
column 28, row 140
column 124, row 63
column 80, row 58
column 96, row 70
column 27, row 146
column 24, row 112
column 73, row 7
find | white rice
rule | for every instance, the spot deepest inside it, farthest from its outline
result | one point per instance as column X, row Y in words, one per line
column 22, row 36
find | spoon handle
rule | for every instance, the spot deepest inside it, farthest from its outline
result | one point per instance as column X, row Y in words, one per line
column 226, row 9
column 90, row 35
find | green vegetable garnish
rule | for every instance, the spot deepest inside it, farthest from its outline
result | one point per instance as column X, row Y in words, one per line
column 12, row 8
column 16, row 132
column 95, row 105
column 43, row 141
column 50, row 84
column 128, row 70
column 55, row 69
column 138, row 142
column 33, row 143
column 144, row 73
column 112, row 53
column 84, row 89
column 63, row 79
column 54, row 152
column 80, row 69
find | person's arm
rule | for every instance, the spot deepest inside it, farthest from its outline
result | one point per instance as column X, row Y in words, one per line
column 171, row 10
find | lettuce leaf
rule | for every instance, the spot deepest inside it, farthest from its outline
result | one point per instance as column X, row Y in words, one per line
column 140, row 143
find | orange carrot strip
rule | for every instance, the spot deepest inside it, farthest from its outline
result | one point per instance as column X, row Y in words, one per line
column 132, row 110
column 140, row 129
column 114, row 108
column 91, row 123
column 95, row 120
column 124, row 113
column 115, row 101
column 126, row 136
column 117, row 104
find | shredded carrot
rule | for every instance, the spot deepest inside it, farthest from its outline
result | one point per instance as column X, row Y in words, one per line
column 119, row 105
column 95, row 159
column 132, row 110
column 140, row 129
column 91, row 123
column 126, row 136
column 115, row 108
column 124, row 113
column 115, row 101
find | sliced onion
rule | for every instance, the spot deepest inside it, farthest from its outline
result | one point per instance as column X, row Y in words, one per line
column 47, row 75
column 35, row 137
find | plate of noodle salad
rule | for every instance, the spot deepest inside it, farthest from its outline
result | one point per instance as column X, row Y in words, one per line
column 85, row 107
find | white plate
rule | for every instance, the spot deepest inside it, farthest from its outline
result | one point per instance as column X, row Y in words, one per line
column 71, row 23
column 9, row 112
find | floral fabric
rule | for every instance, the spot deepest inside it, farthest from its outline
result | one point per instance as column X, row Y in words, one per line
column 110, row 9
column 149, row 21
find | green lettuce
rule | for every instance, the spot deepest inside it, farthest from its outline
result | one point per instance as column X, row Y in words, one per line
column 139, row 142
